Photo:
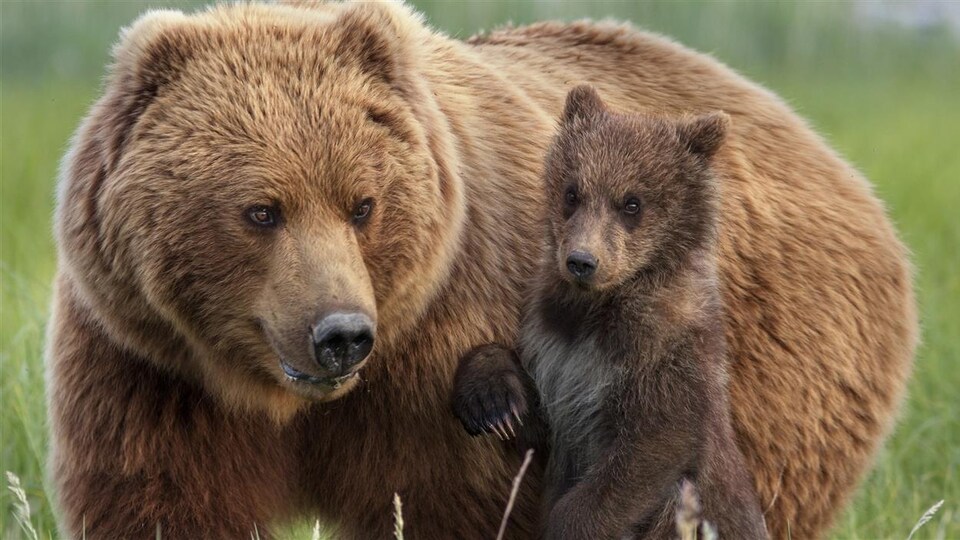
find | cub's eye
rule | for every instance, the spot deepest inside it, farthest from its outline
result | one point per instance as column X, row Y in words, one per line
column 570, row 197
column 263, row 216
column 631, row 207
column 362, row 211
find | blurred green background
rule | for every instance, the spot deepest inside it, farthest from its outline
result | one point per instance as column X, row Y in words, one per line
column 881, row 81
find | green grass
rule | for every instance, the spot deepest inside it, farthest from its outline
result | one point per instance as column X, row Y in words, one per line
column 886, row 98
column 903, row 137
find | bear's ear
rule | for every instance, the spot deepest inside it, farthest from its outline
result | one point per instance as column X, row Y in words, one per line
column 151, row 53
column 582, row 102
column 704, row 134
column 383, row 39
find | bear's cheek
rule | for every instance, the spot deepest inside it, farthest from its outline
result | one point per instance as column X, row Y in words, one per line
column 202, row 277
column 641, row 247
column 404, row 242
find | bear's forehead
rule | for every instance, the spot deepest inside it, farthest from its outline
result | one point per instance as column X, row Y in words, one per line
column 231, row 101
column 623, row 149
column 283, row 21
column 257, row 57
column 262, row 138
column 250, row 43
column 265, row 116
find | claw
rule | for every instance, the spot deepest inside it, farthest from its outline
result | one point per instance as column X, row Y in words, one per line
column 513, row 432
column 493, row 429
column 506, row 424
column 516, row 414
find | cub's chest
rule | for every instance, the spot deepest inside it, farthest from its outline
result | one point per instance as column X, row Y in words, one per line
column 575, row 380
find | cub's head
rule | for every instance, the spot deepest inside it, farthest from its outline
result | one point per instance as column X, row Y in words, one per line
column 629, row 193
column 263, row 198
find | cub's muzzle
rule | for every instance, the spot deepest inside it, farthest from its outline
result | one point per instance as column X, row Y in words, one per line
column 581, row 265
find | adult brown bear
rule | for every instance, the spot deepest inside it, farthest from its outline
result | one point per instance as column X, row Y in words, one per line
column 263, row 192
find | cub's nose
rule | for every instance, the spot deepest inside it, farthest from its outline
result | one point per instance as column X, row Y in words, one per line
column 341, row 341
column 581, row 264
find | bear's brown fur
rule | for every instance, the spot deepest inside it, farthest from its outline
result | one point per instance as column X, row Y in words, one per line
column 168, row 406
column 622, row 342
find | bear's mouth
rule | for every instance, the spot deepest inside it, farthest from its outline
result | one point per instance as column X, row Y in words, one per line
column 297, row 376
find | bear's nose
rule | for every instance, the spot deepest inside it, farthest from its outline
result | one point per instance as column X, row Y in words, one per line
column 341, row 341
column 581, row 264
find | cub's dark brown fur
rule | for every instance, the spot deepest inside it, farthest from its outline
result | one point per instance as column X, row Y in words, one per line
column 622, row 347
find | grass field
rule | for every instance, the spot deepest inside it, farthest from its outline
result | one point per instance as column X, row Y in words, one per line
column 885, row 96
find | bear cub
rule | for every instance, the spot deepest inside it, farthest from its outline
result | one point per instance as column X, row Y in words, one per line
column 620, row 370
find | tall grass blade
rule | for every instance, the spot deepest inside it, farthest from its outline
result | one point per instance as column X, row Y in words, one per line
column 927, row 516
column 688, row 512
column 513, row 493
column 397, row 517
column 708, row 532
column 21, row 506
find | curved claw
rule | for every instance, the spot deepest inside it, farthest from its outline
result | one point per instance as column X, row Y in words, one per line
column 492, row 428
column 516, row 414
column 513, row 432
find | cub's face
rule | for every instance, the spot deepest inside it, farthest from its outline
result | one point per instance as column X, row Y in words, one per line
column 628, row 193
column 272, row 198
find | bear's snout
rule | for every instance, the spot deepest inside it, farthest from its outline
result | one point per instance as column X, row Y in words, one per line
column 581, row 265
column 341, row 340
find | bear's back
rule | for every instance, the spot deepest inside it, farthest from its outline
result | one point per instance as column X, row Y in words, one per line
column 815, row 282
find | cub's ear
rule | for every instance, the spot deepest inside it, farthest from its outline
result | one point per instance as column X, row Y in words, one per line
column 704, row 134
column 383, row 38
column 582, row 102
column 150, row 54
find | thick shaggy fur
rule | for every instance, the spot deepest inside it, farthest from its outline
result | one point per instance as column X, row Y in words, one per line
column 167, row 402
column 627, row 363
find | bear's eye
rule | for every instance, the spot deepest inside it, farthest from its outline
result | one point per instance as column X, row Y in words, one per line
column 262, row 216
column 570, row 197
column 632, row 206
column 362, row 211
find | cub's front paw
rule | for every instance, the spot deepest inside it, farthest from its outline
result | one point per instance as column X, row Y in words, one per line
column 488, row 394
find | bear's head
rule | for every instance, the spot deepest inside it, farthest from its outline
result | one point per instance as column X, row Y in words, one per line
column 629, row 193
column 264, row 197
